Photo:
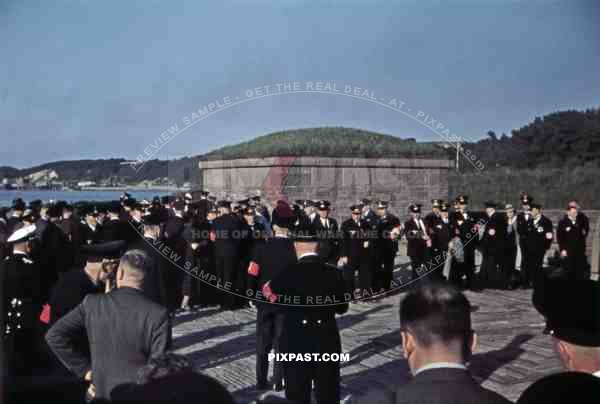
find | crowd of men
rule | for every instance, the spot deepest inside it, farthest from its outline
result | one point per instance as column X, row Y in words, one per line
column 56, row 262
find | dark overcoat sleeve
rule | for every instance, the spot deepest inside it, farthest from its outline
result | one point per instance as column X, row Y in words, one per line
column 161, row 336
column 62, row 339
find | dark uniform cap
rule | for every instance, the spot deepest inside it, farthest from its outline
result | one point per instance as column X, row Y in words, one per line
column 35, row 204
column 490, row 204
column 305, row 202
column 256, row 198
column 323, row 205
column 110, row 249
column 125, row 196
column 462, row 199
column 436, row 203
column 18, row 204
column 249, row 211
column 526, row 199
column 67, row 206
column 571, row 309
column 204, row 193
column 244, row 202
column 444, row 207
column 535, row 206
column 212, row 198
column 88, row 210
column 24, row 233
column 365, row 201
column 224, row 204
column 382, row 204
column 414, row 208
column 130, row 203
column 356, row 209
column 28, row 215
column 156, row 200
column 564, row 387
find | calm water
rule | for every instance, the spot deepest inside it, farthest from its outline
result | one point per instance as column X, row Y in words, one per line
column 6, row 197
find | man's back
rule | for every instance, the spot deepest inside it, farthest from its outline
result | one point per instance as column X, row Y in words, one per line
column 124, row 328
column 435, row 386
column 446, row 386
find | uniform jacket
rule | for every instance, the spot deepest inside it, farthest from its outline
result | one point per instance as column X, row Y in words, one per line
column 415, row 234
column 228, row 234
column 124, row 328
column 571, row 236
column 441, row 234
column 355, row 240
column 385, row 225
column 329, row 244
column 540, row 235
column 310, row 325
column 111, row 230
column 492, row 242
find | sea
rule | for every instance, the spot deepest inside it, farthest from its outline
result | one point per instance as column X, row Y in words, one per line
column 7, row 196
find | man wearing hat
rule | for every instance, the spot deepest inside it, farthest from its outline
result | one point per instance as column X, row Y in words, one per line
column 433, row 217
column 464, row 222
column 510, row 247
column 327, row 230
column 270, row 259
column 227, row 228
column 492, row 238
column 124, row 327
column 388, row 231
column 524, row 221
column 367, row 211
column 571, row 235
column 112, row 227
column 356, row 251
column 18, row 207
column 416, row 237
column 22, row 300
column 174, row 240
column 312, row 293
column 572, row 312
column 90, row 229
column 440, row 235
column 539, row 240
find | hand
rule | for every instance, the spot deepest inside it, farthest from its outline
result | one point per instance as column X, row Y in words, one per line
column 88, row 376
column 563, row 253
column 91, row 391
column 342, row 261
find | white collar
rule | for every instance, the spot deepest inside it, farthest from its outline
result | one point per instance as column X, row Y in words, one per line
column 279, row 235
column 441, row 365
column 596, row 373
column 19, row 252
column 307, row 255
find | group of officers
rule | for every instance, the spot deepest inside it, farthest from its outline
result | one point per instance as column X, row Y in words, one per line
column 52, row 258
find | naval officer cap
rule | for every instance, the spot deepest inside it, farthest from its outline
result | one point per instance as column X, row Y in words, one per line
column 490, row 204
column 414, row 208
column 100, row 251
column 382, row 204
column 436, row 203
column 18, row 204
column 356, row 209
column 462, row 199
column 224, row 204
column 571, row 309
column 323, row 205
column 24, row 233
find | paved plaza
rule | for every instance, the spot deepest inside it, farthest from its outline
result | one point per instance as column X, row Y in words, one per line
column 512, row 352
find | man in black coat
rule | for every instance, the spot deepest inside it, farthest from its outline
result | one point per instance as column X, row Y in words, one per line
column 388, row 231
column 327, row 229
column 524, row 222
column 437, row 342
column 440, row 235
column 312, row 293
column 89, row 227
column 416, row 237
column 492, row 240
column 271, row 258
column 175, row 247
column 467, row 232
column 112, row 226
column 124, row 327
column 227, row 228
column 571, row 234
column 539, row 240
column 356, row 252
column 21, row 302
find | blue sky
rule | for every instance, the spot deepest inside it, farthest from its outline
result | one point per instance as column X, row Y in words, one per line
column 105, row 79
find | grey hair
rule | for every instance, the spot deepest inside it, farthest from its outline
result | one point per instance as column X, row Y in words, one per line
column 136, row 262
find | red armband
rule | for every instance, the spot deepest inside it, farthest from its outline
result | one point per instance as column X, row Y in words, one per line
column 253, row 268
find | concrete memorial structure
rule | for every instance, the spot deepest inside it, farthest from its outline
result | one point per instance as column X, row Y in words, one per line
column 341, row 180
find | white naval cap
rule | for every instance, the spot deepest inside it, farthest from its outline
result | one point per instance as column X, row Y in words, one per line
column 24, row 233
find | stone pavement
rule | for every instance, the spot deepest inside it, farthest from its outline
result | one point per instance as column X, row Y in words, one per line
column 512, row 352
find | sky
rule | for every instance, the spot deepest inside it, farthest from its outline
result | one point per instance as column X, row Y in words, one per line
column 89, row 79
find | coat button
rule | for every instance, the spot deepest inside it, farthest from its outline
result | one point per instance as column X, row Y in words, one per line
column 304, row 321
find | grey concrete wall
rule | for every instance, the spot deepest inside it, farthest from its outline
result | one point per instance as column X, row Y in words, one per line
column 341, row 180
